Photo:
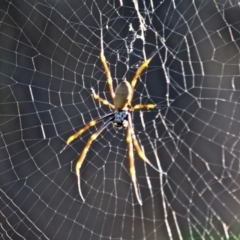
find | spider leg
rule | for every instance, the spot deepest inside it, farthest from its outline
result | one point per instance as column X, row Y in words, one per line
column 141, row 68
column 108, row 74
column 131, row 164
column 136, row 145
column 140, row 106
column 87, row 126
column 84, row 152
column 103, row 101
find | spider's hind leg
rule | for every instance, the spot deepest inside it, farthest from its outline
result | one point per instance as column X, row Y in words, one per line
column 141, row 68
column 108, row 74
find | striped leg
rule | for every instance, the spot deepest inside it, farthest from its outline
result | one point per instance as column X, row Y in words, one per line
column 137, row 146
column 141, row 68
column 108, row 74
column 103, row 101
column 84, row 153
column 131, row 164
column 87, row 126
column 140, row 106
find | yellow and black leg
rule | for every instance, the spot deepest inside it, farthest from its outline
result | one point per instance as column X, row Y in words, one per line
column 131, row 164
column 141, row 68
column 108, row 74
column 84, row 152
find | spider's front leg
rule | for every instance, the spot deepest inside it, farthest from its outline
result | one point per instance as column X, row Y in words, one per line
column 131, row 164
column 84, row 153
column 86, row 127
column 137, row 146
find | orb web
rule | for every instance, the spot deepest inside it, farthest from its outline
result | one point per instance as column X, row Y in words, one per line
column 49, row 69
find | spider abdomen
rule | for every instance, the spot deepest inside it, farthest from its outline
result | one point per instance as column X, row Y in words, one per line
column 123, row 95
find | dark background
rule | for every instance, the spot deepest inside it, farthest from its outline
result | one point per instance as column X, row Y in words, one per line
column 49, row 64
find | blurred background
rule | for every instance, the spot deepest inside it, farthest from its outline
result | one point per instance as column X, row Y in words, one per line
column 49, row 68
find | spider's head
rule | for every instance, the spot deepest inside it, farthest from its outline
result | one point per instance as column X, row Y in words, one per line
column 121, row 119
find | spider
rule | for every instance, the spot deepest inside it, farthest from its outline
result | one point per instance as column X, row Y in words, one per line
column 121, row 119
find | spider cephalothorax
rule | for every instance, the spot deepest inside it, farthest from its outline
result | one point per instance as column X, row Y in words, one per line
column 121, row 118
